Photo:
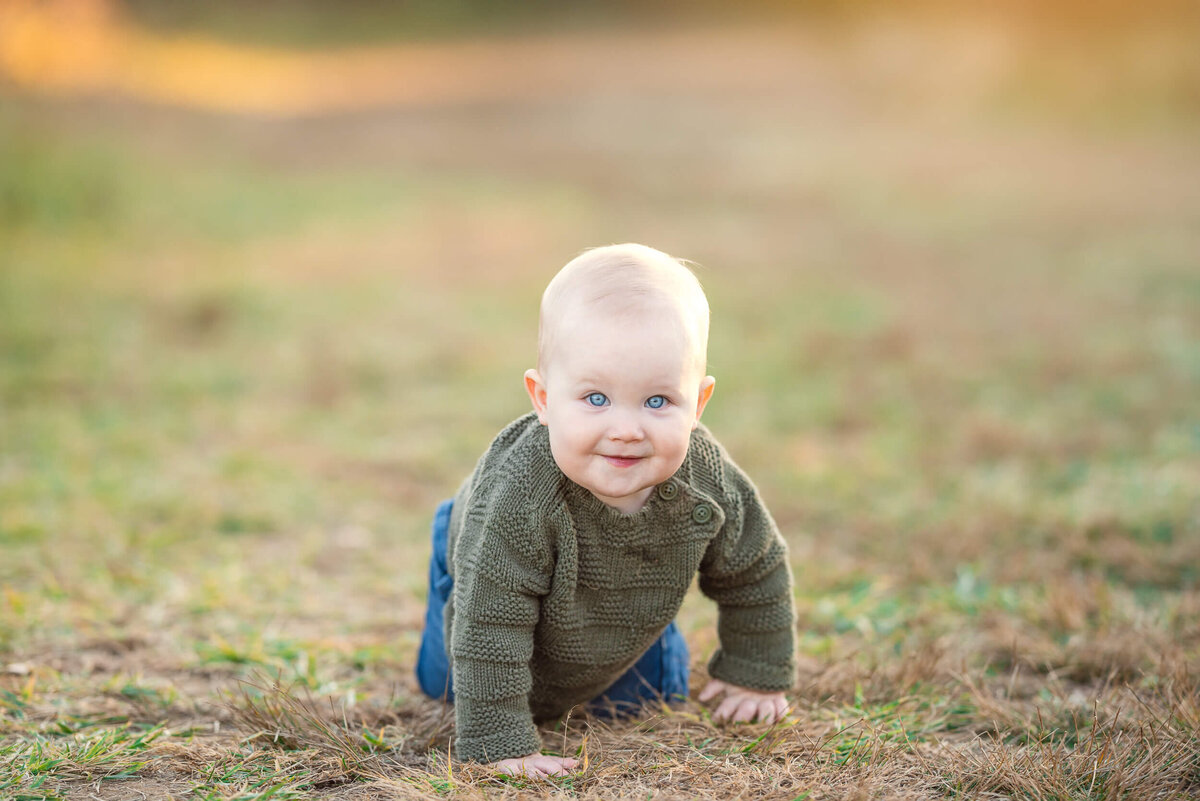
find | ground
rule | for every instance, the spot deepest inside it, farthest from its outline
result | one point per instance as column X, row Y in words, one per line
column 956, row 334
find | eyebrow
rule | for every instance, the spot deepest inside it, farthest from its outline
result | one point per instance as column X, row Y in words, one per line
column 588, row 381
column 595, row 382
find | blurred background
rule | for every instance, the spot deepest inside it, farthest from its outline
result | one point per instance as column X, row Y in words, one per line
column 269, row 276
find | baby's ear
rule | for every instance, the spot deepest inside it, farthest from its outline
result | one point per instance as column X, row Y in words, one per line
column 536, row 388
column 706, row 390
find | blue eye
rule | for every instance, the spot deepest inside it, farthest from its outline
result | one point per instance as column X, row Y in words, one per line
column 656, row 401
column 597, row 399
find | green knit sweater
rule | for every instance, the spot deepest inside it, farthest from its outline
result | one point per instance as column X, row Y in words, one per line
column 557, row 594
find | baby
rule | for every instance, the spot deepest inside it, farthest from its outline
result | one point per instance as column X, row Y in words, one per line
column 562, row 561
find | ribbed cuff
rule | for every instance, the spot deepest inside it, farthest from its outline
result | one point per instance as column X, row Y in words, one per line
column 751, row 674
column 499, row 745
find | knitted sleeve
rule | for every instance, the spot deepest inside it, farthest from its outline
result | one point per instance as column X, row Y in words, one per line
column 502, row 568
column 746, row 571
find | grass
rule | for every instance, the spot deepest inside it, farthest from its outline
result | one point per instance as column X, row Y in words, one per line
column 241, row 362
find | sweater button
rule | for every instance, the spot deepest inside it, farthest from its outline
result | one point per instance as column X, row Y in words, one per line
column 668, row 490
column 702, row 513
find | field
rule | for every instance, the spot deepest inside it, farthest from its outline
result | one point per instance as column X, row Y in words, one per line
column 955, row 278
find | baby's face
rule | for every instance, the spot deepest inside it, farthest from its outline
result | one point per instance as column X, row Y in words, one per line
column 620, row 398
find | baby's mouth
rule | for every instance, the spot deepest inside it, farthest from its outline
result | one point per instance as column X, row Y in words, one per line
column 622, row 461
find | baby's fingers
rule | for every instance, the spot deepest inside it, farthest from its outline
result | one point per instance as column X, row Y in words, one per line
column 560, row 766
column 726, row 709
column 519, row 767
column 537, row 766
column 781, row 708
column 711, row 690
column 746, row 711
column 771, row 710
column 553, row 766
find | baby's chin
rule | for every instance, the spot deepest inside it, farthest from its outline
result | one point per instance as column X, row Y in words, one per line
column 625, row 504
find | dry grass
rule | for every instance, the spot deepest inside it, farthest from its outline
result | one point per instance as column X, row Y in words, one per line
column 985, row 740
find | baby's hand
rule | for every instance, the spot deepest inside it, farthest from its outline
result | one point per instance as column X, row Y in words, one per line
column 535, row 766
column 742, row 704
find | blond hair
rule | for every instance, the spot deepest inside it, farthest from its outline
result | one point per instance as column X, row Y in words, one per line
column 628, row 279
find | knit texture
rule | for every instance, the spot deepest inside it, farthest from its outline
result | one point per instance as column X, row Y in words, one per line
column 557, row 594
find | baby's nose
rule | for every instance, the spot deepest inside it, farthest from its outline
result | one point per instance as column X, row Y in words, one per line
column 625, row 426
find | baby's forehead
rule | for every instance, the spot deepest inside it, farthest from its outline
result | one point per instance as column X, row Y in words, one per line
column 615, row 312
column 601, row 336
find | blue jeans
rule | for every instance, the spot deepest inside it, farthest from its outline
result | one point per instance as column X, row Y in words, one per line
column 661, row 672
